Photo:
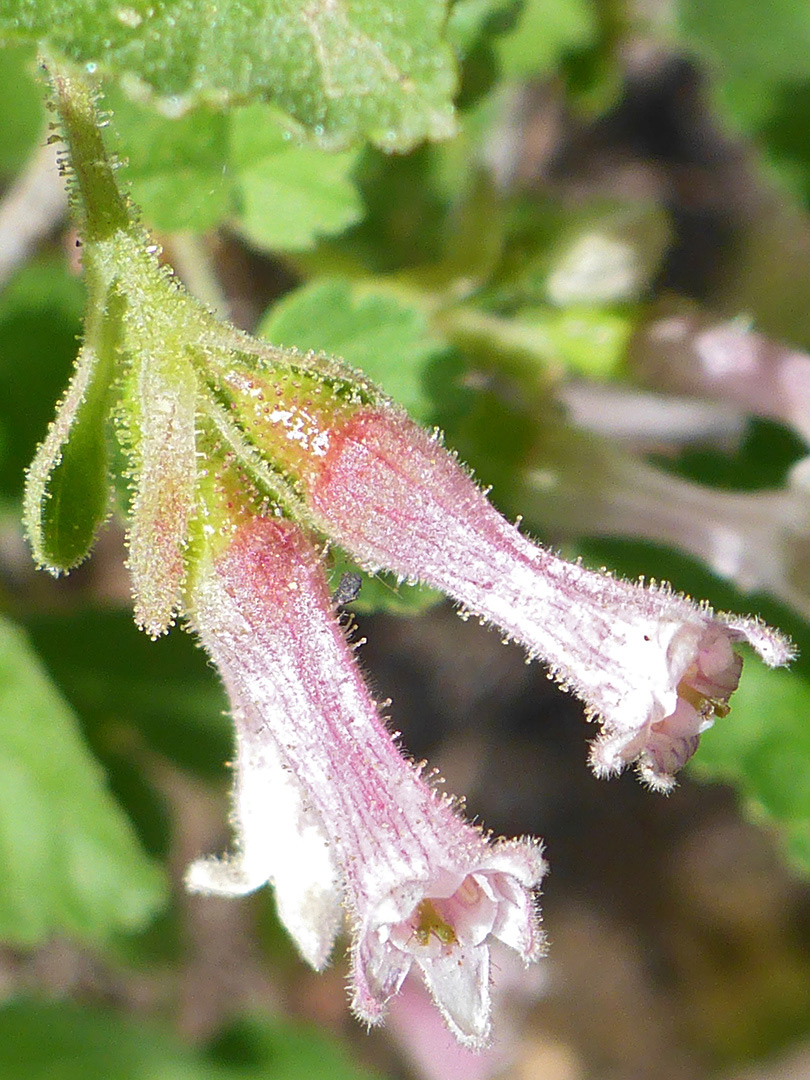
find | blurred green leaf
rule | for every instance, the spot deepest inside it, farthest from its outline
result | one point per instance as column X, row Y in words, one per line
column 248, row 168
column 590, row 341
column 176, row 167
column 468, row 18
column 405, row 211
column 344, row 70
column 115, row 677
column 71, row 863
column 763, row 459
column 279, row 1050
column 58, row 1041
column 752, row 56
column 783, row 133
column 474, row 229
column 494, row 437
column 22, row 112
column 763, row 749
column 546, row 30
column 288, row 194
column 40, row 318
column 385, row 337
column 744, row 43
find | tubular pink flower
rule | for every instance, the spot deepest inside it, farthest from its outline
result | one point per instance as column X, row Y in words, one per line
column 654, row 667
column 420, row 885
column 691, row 352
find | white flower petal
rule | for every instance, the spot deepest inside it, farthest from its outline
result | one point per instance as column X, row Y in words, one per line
column 459, row 984
column 278, row 839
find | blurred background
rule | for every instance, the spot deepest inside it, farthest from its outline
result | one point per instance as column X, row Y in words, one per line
column 599, row 291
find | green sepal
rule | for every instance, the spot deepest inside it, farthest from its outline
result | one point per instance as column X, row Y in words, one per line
column 162, row 434
column 67, row 486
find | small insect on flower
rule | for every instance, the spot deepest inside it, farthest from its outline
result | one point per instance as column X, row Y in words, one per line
column 348, row 589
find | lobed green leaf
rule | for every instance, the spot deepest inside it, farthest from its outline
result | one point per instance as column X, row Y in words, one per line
column 177, row 167
column 344, row 69
column 249, row 169
column 288, row 194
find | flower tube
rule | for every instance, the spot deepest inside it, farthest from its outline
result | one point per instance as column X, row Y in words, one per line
column 420, row 885
column 654, row 667
column 692, row 352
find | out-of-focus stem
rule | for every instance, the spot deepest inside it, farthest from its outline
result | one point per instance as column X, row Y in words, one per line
column 581, row 485
column 690, row 352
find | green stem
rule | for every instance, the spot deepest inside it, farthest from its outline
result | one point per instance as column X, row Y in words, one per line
column 104, row 209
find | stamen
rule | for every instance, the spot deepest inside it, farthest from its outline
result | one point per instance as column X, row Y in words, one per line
column 429, row 921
